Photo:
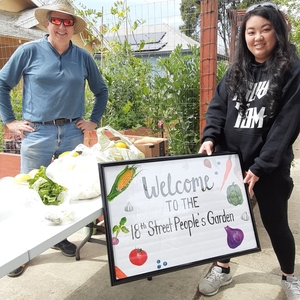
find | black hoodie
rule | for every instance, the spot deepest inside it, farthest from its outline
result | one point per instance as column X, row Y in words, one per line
column 264, row 143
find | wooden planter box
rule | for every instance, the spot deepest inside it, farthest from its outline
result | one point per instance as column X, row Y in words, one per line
column 9, row 164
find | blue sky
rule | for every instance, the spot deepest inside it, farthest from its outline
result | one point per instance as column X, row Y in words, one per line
column 152, row 11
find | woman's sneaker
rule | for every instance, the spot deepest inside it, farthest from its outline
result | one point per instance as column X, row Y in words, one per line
column 291, row 287
column 211, row 283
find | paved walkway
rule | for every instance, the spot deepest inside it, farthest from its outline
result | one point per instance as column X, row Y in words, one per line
column 54, row 276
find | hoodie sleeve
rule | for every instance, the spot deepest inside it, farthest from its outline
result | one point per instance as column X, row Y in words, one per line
column 277, row 149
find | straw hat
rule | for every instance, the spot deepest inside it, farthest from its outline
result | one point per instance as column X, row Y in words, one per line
column 62, row 6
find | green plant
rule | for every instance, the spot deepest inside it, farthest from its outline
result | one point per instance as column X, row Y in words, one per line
column 16, row 102
column 144, row 95
column 88, row 102
column 222, row 67
column 127, row 78
column 174, row 100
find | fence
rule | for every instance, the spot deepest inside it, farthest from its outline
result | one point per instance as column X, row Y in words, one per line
column 161, row 24
column 158, row 14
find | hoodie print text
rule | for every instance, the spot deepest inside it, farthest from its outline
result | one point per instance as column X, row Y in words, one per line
column 253, row 118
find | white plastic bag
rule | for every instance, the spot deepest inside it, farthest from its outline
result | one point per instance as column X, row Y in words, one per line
column 79, row 174
column 54, row 214
column 109, row 149
column 59, row 214
column 17, row 198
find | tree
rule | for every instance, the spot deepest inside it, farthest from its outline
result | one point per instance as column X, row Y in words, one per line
column 224, row 24
column 292, row 11
column 190, row 14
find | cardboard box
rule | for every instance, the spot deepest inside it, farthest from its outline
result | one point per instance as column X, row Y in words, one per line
column 150, row 146
column 91, row 138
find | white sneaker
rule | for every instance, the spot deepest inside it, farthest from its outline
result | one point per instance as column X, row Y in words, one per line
column 210, row 284
column 291, row 286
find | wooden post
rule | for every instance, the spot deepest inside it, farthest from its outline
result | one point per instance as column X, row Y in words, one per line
column 208, row 55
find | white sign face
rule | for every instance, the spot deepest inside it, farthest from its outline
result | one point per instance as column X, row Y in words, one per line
column 168, row 213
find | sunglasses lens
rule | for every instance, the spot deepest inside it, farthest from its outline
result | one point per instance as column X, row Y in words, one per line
column 68, row 22
column 58, row 21
column 55, row 21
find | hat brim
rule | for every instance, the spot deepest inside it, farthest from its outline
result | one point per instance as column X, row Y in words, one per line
column 41, row 16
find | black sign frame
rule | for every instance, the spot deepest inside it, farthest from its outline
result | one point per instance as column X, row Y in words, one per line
column 234, row 198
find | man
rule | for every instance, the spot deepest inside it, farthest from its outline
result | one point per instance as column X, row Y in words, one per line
column 54, row 73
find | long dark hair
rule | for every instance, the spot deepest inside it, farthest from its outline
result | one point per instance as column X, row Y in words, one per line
column 240, row 79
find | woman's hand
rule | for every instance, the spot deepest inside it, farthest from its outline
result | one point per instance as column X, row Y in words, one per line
column 250, row 179
column 18, row 128
column 86, row 125
column 207, row 147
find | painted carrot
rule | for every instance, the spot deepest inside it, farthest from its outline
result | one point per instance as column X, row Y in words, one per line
column 119, row 274
column 227, row 171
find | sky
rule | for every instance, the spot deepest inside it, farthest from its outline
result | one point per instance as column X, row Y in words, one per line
column 152, row 11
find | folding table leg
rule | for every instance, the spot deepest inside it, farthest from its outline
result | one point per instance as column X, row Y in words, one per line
column 89, row 238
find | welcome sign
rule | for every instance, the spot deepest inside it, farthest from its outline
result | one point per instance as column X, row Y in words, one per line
column 167, row 213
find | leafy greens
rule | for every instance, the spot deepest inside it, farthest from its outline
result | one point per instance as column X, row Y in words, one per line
column 46, row 188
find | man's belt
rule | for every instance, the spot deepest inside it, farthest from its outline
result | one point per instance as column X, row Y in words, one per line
column 60, row 121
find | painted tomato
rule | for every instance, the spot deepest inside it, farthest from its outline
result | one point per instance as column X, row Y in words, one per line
column 138, row 257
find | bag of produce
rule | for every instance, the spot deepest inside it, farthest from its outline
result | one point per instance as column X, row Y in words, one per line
column 43, row 199
column 77, row 170
column 55, row 198
column 116, row 148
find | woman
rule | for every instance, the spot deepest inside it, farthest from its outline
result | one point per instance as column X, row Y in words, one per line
column 54, row 73
column 255, row 111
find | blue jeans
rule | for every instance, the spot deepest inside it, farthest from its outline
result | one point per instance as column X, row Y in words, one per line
column 47, row 142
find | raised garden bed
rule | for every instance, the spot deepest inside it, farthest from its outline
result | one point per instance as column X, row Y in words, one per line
column 9, row 164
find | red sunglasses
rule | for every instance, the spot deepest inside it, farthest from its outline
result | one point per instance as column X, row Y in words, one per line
column 58, row 21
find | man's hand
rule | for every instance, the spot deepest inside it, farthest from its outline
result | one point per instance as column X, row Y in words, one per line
column 86, row 125
column 18, row 127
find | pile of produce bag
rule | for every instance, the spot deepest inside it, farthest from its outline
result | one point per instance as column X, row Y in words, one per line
column 77, row 173
column 47, row 191
column 43, row 200
column 78, row 169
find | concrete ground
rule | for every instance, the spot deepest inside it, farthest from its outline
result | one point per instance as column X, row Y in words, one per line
column 52, row 276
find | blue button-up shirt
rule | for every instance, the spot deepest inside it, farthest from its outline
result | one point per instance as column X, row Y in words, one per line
column 53, row 84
